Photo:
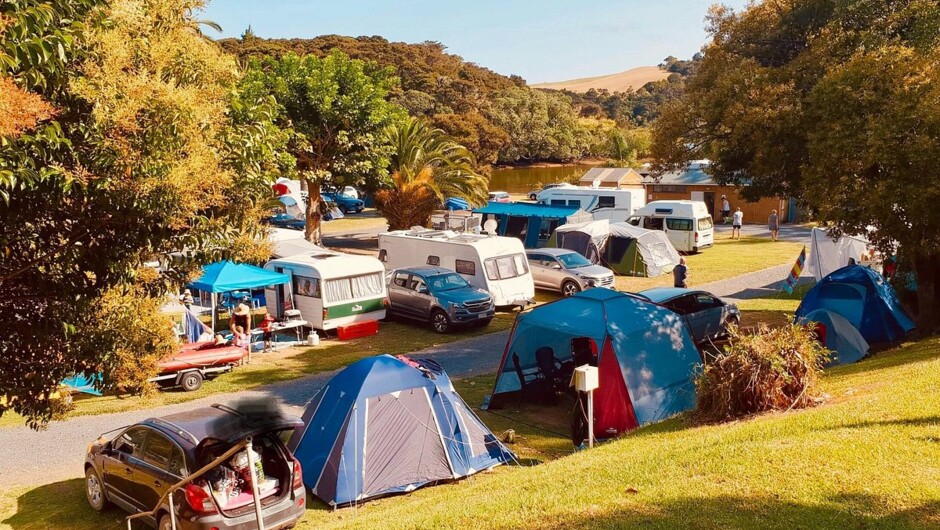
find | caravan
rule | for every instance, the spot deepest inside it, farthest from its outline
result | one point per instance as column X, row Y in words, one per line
column 688, row 224
column 330, row 289
column 604, row 203
column 494, row 263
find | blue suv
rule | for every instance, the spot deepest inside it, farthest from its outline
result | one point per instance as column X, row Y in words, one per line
column 438, row 296
column 345, row 203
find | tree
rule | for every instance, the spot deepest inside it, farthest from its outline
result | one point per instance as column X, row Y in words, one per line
column 427, row 167
column 834, row 102
column 337, row 110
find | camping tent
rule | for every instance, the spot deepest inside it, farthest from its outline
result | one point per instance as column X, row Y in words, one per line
column 388, row 425
column 532, row 223
column 838, row 335
column 827, row 255
column 645, row 362
column 625, row 248
column 225, row 276
column 864, row 298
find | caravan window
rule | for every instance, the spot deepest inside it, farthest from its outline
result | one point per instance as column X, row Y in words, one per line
column 606, row 201
column 383, row 255
column 557, row 202
column 465, row 267
column 306, row 286
column 679, row 224
column 363, row 286
column 705, row 223
column 574, row 202
column 434, row 260
column 506, row 267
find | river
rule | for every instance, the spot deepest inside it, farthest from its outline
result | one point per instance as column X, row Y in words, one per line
column 524, row 180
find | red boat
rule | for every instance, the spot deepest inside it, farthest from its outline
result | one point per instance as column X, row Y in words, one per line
column 195, row 362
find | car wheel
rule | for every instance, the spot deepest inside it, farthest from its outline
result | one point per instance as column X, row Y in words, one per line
column 440, row 321
column 191, row 381
column 94, row 491
column 570, row 288
column 533, row 196
column 343, row 209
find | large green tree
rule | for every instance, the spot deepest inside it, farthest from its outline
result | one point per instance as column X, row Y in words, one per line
column 140, row 156
column 338, row 113
column 835, row 102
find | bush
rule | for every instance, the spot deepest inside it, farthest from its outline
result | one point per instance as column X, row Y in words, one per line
column 773, row 369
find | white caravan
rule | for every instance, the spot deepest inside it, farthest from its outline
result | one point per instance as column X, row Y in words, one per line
column 494, row 263
column 688, row 224
column 329, row 288
column 605, row 203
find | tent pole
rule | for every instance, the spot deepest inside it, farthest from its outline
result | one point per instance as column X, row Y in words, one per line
column 212, row 301
column 590, row 418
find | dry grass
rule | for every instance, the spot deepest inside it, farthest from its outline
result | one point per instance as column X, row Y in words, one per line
column 631, row 79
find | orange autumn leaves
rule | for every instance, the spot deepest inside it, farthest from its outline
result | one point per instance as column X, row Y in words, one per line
column 20, row 110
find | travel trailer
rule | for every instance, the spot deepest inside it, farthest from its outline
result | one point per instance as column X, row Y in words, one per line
column 494, row 263
column 604, row 203
column 687, row 223
column 329, row 288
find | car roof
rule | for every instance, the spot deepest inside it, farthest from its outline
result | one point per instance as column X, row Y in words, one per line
column 220, row 422
column 549, row 251
column 424, row 270
column 663, row 294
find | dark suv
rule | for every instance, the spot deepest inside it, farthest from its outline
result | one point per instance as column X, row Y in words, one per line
column 439, row 296
column 134, row 470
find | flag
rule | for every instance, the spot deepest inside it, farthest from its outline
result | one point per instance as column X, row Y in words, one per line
column 795, row 272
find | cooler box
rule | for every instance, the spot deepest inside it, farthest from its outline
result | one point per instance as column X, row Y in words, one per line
column 360, row 329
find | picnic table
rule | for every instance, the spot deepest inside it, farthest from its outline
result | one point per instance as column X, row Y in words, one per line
column 276, row 327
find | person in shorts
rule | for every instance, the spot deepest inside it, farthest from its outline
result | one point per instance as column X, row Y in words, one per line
column 267, row 328
column 773, row 224
column 736, row 221
column 725, row 209
column 680, row 274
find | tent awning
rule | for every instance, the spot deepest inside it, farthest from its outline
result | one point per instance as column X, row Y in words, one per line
column 226, row 276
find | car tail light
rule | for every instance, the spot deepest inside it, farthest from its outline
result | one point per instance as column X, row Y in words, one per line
column 198, row 499
column 696, row 236
column 326, row 313
column 385, row 302
column 298, row 475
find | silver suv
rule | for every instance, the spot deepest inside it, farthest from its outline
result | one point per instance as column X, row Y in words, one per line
column 564, row 270
column 438, row 296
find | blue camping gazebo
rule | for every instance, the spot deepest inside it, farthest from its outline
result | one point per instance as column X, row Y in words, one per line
column 225, row 276
column 532, row 223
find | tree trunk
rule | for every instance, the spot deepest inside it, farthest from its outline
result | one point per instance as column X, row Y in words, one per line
column 312, row 221
column 927, row 267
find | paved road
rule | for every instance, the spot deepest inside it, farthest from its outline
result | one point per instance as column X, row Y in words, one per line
column 58, row 452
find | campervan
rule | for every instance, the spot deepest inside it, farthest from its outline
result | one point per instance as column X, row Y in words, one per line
column 331, row 289
column 604, row 203
column 494, row 263
column 688, row 224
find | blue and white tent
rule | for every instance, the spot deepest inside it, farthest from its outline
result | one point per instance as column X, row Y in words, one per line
column 838, row 335
column 389, row 425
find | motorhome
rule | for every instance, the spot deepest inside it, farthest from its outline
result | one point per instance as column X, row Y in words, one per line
column 687, row 224
column 494, row 263
column 330, row 289
column 603, row 203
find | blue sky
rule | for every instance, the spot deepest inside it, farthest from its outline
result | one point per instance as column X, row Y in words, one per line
column 548, row 40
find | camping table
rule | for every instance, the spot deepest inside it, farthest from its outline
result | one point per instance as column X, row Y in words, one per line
column 295, row 325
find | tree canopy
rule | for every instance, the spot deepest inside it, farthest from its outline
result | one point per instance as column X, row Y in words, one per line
column 834, row 102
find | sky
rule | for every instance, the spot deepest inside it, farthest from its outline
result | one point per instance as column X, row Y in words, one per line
column 547, row 40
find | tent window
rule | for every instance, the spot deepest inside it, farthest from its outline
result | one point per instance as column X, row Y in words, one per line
column 616, row 248
column 606, row 201
column 465, row 267
column 434, row 260
column 547, row 227
column 383, row 255
column 305, row 286
column 679, row 224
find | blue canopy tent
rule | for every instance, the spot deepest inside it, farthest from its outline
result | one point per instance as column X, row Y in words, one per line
column 861, row 296
column 643, row 351
column 532, row 223
column 225, row 276
column 456, row 203
column 389, row 425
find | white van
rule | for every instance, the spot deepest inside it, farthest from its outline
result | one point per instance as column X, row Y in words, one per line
column 329, row 288
column 604, row 203
column 494, row 263
column 688, row 224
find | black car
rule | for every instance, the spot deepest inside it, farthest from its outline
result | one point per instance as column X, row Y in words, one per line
column 134, row 469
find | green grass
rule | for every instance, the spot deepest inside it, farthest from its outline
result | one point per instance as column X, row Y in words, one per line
column 368, row 219
column 867, row 458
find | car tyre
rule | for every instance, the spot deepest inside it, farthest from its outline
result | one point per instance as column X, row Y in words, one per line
column 440, row 321
column 533, row 196
column 94, row 491
column 343, row 209
column 570, row 288
column 191, row 381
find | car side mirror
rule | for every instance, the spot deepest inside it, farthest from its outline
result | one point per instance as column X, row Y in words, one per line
column 422, row 290
column 556, row 266
column 126, row 449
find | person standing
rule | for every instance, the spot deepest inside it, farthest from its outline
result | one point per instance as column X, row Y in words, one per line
column 187, row 299
column 267, row 326
column 725, row 209
column 240, row 317
column 736, row 222
column 680, row 274
column 773, row 224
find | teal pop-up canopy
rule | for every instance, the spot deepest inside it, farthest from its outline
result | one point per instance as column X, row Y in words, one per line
column 226, row 276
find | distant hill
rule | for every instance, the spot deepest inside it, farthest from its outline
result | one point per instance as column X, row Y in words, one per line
column 629, row 80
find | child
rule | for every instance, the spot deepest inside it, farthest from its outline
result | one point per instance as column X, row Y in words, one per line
column 267, row 328
column 240, row 337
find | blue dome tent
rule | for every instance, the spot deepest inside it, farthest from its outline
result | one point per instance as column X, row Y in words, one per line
column 389, row 425
column 838, row 335
column 862, row 297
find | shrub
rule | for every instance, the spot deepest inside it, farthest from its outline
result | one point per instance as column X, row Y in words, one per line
column 772, row 369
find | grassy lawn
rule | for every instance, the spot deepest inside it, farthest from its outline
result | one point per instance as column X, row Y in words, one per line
column 867, row 458
column 727, row 259
column 368, row 219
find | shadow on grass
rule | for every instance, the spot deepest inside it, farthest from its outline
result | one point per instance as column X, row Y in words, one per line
column 62, row 505
column 843, row 512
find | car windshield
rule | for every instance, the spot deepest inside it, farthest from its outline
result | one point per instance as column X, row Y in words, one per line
column 447, row 282
column 573, row 260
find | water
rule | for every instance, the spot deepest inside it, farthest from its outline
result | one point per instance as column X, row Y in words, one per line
column 524, row 180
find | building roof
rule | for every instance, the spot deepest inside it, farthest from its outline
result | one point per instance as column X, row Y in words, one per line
column 615, row 175
column 524, row 209
column 694, row 175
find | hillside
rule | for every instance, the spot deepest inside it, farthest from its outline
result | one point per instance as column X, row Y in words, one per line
column 629, row 80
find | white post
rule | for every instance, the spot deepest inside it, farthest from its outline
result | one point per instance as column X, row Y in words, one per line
column 590, row 418
column 254, row 483
column 212, row 301
column 172, row 513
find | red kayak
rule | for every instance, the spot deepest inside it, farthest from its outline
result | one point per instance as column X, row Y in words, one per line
column 201, row 355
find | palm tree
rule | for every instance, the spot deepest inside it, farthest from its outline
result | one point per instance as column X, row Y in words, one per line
column 427, row 167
